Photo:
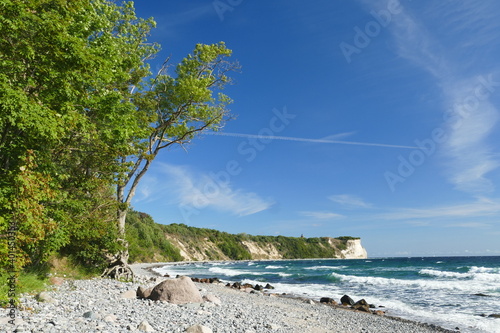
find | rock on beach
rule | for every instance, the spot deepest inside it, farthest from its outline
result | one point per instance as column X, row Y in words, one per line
column 96, row 305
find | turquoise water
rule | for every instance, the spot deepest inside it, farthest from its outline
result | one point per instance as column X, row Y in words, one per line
column 438, row 290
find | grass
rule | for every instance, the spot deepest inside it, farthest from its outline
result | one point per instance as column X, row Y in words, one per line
column 33, row 280
column 27, row 282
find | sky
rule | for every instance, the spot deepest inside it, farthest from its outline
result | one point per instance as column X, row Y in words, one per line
column 373, row 119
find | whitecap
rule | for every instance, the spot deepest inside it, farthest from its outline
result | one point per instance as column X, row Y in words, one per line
column 228, row 271
column 445, row 274
column 318, row 268
column 274, row 267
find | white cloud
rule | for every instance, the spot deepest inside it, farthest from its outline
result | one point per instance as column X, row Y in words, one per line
column 201, row 191
column 470, row 156
column 480, row 208
column 469, row 225
column 322, row 215
column 350, row 201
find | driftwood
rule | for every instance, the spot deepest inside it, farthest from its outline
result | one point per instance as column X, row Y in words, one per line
column 118, row 268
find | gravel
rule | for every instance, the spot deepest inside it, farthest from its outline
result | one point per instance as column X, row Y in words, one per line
column 101, row 305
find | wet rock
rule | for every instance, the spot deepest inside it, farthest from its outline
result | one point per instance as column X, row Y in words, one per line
column 327, row 300
column 361, row 305
column 346, row 300
column 214, row 280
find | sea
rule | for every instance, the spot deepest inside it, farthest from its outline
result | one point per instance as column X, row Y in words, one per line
column 451, row 292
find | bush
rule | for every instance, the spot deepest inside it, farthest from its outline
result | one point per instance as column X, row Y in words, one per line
column 147, row 240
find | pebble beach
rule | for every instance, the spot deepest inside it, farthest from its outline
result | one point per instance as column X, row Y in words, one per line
column 104, row 305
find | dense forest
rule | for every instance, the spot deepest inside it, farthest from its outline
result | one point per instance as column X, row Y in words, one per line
column 149, row 242
column 81, row 120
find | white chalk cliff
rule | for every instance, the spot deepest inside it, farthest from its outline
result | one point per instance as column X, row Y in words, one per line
column 204, row 247
column 354, row 250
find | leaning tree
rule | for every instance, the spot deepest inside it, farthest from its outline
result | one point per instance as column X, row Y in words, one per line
column 177, row 108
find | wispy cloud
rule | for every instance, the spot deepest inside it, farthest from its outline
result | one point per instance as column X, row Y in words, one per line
column 325, row 140
column 480, row 208
column 349, row 201
column 473, row 225
column 322, row 215
column 188, row 16
column 471, row 158
column 200, row 191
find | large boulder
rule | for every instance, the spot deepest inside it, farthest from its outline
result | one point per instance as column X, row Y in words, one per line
column 177, row 291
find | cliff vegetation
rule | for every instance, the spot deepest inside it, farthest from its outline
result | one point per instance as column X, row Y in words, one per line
column 149, row 241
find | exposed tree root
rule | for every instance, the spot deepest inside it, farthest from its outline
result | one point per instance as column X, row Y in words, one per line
column 118, row 268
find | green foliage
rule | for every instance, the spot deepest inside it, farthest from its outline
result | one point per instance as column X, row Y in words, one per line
column 29, row 281
column 66, row 117
column 147, row 241
column 233, row 247
column 299, row 248
column 346, row 238
column 177, row 108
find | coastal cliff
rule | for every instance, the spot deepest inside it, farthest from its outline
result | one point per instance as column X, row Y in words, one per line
column 152, row 242
column 354, row 250
column 206, row 249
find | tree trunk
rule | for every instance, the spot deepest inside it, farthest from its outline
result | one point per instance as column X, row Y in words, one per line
column 122, row 217
column 118, row 267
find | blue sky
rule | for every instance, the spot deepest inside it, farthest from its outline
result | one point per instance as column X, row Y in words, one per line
column 376, row 119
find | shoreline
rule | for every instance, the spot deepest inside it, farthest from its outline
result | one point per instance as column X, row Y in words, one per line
column 147, row 270
column 105, row 305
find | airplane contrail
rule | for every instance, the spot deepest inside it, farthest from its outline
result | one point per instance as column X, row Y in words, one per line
column 287, row 138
